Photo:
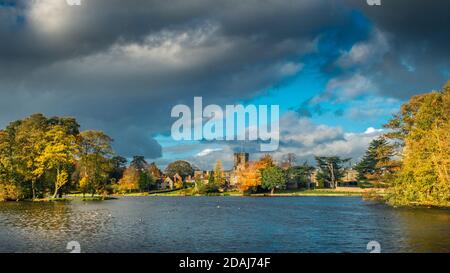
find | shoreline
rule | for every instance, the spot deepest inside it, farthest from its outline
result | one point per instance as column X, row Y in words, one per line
column 376, row 195
column 342, row 191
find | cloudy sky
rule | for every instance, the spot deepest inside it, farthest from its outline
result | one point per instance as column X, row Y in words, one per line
column 337, row 68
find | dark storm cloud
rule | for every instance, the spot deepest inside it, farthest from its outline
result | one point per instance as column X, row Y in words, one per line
column 406, row 53
column 418, row 34
column 120, row 66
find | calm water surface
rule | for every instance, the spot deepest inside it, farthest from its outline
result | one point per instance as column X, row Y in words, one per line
column 221, row 224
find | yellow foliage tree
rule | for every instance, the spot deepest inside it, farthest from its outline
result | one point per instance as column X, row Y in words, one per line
column 57, row 156
column 129, row 181
column 424, row 127
column 84, row 184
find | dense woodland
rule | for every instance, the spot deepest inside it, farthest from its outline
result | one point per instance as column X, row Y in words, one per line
column 48, row 157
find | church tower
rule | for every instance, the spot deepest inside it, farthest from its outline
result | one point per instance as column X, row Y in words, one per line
column 240, row 159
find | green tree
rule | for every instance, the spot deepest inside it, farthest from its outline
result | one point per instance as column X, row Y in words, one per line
column 139, row 162
column 183, row 168
column 377, row 161
column 118, row 166
column 146, row 180
column 273, row 177
column 219, row 176
column 331, row 170
column 300, row 174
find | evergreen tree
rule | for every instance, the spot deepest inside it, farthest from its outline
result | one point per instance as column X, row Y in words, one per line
column 331, row 170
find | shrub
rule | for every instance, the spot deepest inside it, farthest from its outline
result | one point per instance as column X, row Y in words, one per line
column 10, row 192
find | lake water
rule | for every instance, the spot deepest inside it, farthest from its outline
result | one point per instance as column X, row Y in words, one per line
column 221, row 224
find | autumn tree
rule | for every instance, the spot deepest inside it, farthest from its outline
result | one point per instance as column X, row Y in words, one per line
column 423, row 128
column 58, row 156
column 130, row 180
column 95, row 153
column 10, row 186
column 29, row 144
column 154, row 170
column 41, row 156
column 249, row 176
column 267, row 161
column 137, row 177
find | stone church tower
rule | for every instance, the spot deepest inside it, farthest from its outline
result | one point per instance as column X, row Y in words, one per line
column 240, row 159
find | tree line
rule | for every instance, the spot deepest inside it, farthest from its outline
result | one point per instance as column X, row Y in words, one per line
column 265, row 175
column 47, row 157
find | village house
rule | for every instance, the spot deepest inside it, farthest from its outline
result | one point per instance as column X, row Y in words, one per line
column 166, row 184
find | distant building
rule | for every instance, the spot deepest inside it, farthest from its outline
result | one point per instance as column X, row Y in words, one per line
column 314, row 180
column 202, row 176
column 166, row 184
column 240, row 159
column 350, row 177
column 177, row 178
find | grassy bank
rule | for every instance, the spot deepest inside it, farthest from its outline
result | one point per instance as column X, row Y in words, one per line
column 48, row 200
column 88, row 197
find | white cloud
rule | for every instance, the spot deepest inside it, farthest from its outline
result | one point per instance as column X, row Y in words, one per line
column 372, row 130
column 306, row 139
column 291, row 68
column 208, row 151
column 345, row 88
column 365, row 53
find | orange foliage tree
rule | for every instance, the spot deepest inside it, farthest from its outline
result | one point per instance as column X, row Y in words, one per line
column 249, row 176
column 130, row 180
